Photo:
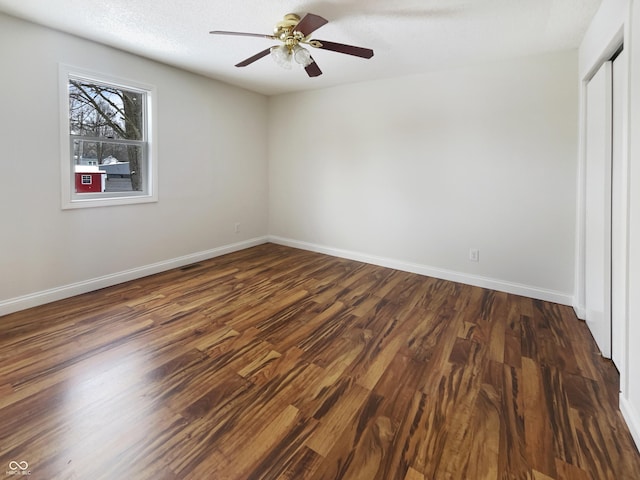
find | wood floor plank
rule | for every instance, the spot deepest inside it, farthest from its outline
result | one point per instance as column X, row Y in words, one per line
column 301, row 465
column 397, row 389
column 413, row 475
column 358, row 450
column 249, row 451
column 279, row 363
column 481, row 439
column 334, row 415
column 538, row 430
column 570, row 472
column 507, row 382
column 541, row 476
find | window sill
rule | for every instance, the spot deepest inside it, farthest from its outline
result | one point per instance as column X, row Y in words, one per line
column 91, row 201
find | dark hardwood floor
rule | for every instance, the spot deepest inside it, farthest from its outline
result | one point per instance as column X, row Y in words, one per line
column 279, row 363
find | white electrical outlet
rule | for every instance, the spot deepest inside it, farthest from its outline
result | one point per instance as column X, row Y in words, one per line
column 237, row 228
column 474, row 255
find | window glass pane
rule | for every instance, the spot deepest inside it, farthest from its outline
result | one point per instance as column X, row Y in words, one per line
column 121, row 164
column 97, row 110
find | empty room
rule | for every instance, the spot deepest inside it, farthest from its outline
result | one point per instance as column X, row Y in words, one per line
column 320, row 240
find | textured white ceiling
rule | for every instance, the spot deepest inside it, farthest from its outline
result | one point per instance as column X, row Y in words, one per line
column 408, row 36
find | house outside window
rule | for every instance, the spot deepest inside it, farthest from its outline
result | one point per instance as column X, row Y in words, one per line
column 107, row 127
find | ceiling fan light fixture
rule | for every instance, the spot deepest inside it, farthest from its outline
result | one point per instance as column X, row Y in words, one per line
column 302, row 56
column 282, row 56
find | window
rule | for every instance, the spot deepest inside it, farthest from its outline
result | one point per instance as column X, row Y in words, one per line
column 106, row 129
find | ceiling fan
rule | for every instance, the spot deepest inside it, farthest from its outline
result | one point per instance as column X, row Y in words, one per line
column 294, row 32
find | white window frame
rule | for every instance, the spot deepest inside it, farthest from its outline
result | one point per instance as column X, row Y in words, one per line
column 86, row 179
column 72, row 199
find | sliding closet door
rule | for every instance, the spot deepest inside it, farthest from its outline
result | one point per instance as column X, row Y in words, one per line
column 619, row 212
column 598, row 209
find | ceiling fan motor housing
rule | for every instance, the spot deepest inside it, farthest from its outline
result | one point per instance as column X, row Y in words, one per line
column 284, row 30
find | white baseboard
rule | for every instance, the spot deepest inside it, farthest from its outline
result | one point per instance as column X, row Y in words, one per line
column 58, row 293
column 581, row 312
column 632, row 418
column 46, row 296
column 468, row 279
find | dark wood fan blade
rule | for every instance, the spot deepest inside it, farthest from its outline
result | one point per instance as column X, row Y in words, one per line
column 313, row 70
column 342, row 48
column 257, row 56
column 310, row 23
column 242, row 34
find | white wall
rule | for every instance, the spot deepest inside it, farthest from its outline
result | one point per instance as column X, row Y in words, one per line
column 212, row 173
column 413, row 172
column 618, row 21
